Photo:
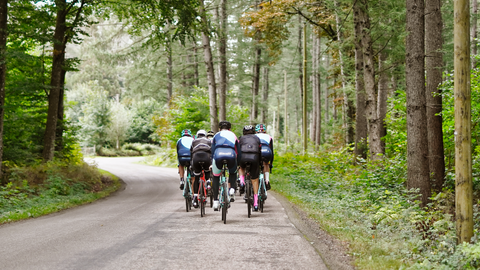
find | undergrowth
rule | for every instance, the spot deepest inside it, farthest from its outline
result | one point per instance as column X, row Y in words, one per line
column 367, row 205
column 164, row 157
column 50, row 187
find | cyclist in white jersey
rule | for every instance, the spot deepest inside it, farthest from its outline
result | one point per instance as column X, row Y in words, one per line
column 267, row 151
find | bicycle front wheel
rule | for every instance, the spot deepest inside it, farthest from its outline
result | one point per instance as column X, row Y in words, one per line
column 248, row 194
column 225, row 203
column 201, row 195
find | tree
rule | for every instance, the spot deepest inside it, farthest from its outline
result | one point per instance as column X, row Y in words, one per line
column 434, row 67
column 417, row 144
column 223, row 60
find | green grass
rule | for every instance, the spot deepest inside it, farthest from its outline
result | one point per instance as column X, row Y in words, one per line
column 46, row 189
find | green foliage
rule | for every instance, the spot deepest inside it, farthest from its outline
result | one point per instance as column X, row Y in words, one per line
column 368, row 206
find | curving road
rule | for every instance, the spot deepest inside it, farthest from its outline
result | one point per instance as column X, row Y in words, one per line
column 145, row 226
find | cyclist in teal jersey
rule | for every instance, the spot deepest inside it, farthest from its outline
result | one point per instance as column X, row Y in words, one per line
column 267, row 152
column 184, row 155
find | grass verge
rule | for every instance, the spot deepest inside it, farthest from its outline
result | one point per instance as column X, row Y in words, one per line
column 48, row 188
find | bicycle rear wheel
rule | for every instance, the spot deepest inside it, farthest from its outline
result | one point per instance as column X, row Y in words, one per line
column 225, row 202
column 201, row 195
column 187, row 196
column 248, row 194
column 262, row 197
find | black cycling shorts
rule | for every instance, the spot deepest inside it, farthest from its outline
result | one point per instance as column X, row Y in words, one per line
column 254, row 161
column 184, row 161
column 201, row 161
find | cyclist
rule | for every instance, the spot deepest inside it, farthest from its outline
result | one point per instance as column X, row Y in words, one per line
column 184, row 154
column 224, row 148
column 250, row 152
column 267, row 152
column 210, row 135
column 201, row 160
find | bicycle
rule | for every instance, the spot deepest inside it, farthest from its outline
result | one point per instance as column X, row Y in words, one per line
column 187, row 190
column 202, row 192
column 262, row 192
column 248, row 190
column 223, row 195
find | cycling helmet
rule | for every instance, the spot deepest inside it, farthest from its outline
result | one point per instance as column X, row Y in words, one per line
column 225, row 125
column 260, row 128
column 248, row 130
column 210, row 134
column 201, row 133
column 186, row 132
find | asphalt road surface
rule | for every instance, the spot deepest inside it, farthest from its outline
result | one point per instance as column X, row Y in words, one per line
column 146, row 226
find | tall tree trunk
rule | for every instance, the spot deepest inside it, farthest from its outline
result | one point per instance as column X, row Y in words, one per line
column 195, row 63
column 255, row 84
column 369, row 80
column 463, row 132
column 382, row 98
column 300, row 61
column 434, row 64
column 474, row 30
column 60, row 116
column 347, row 120
column 207, row 51
column 265, row 89
column 318, row 102
column 361, row 120
column 3, row 70
column 189, row 74
column 326, row 88
column 417, row 143
column 56, row 78
column 223, row 60
column 168, row 48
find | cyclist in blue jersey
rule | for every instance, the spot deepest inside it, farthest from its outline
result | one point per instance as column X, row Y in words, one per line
column 224, row 148
column 267, row 151
column 184, row 155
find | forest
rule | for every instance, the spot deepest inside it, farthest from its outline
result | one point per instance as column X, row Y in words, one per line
column 360, row 97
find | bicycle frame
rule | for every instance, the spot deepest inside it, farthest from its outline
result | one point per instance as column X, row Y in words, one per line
column 224, row 198
column 202, row 193
column 187, row 191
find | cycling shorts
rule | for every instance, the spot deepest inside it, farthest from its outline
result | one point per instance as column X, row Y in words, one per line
column 267, row 155
column 221, row 155
column 184, row 161
column 254, row 161
column 201, row 161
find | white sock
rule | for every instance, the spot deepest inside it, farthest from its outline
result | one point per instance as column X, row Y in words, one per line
column 267, row 177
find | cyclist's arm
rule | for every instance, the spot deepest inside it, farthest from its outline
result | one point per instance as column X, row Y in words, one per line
column 271, row 147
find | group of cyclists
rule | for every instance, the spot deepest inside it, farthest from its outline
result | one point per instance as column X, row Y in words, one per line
column 209, row 151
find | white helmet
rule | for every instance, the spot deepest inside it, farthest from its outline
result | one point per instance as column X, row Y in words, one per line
column 201, row 133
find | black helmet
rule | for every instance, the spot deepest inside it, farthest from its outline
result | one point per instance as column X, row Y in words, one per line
column 248, row 130
column 225, row 125
column 210, row 133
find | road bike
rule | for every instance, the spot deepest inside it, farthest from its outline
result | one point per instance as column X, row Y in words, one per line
column 248, row 190
column 224, row 198
column 187, row 190
column 202, row 192
column 262, row 192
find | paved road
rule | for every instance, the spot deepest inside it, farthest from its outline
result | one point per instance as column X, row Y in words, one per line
column 145, row 226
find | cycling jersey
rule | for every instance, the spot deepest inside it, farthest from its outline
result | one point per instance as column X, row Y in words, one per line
column 250, row 153
column 183, row 149
column 267, row 146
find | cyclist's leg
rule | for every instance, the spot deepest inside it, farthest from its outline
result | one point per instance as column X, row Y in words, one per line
column 216, row 179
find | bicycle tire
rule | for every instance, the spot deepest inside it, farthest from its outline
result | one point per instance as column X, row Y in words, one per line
column 201, row 197
column 187, row 196
column 225, row 203
column 248, row 187
column 262, row 198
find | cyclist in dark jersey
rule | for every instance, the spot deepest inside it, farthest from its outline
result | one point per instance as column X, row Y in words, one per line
column 224, row 148
column 250, row 153
column 183, row 154
column 267, row 151
column 201, row 160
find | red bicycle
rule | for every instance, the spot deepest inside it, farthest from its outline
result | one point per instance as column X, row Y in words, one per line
column 202, row 194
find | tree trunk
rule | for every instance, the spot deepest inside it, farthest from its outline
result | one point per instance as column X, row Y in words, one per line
column 474, row 30
column 318, row 102
column 168, row 48
column 56, row 78
column 207, row 51
column 255, row 85
column 3, row 70
column 417, row 144
column 361, row 120
column 60, row 116
column 223, row 60
column 382, row 98
column 434, row 64
column 326, row 88
column 300, row 62
column 265, row 89
column 369, row 80
column 195, row 63
column 463, row 133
